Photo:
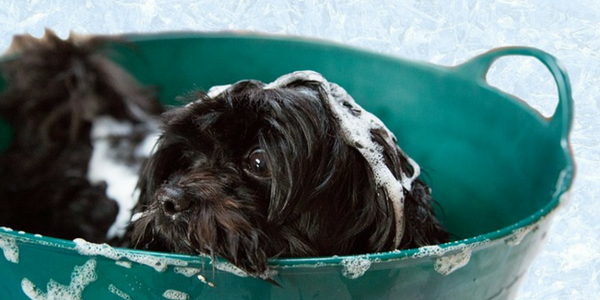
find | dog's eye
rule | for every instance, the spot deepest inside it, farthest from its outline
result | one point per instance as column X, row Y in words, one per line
column 258, row 163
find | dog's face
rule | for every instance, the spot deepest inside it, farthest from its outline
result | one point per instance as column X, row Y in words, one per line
column 258, row 172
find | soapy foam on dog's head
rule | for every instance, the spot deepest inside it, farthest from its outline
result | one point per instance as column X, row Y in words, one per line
column 356, row 125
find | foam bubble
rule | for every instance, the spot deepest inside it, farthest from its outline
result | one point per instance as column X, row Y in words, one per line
column 81, row 277
column 124, row 264
column 451, row 258
column 229, row 268
column 10, row 248
column 113, row 289
column 160, row 264
column 519, row 234
column 355, row 267
column 175, row 295
column 136, row 216
column 428, row 251
column 217, row 89
column 450, row 263
column 186, row 271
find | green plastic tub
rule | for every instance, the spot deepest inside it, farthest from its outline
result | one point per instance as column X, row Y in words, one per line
column 497, row 167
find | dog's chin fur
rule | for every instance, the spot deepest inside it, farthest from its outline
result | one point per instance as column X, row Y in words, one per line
column 56, row 89
column 200, row 194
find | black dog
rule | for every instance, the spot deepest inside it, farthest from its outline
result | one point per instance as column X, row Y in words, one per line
column 81, row 130
column 294, row 168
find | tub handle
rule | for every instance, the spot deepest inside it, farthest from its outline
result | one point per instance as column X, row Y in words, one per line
column 562, row 118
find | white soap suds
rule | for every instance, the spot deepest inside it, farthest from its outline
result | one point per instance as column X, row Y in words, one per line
column 175, row 295
column 81, row 277
column 10, row 248
column 519, row 234
column 217, row 89
column 160, row 264
column 124, row 264
column 450, row 263
column 24, row 238
column 229, row 268
column 119, row 174
column 428, row 251
column 113, row 289
column 355, row 267
column 451, row 258
column 186, row 271
column 136, row 216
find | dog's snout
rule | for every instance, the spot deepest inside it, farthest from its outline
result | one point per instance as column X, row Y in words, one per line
column 173, row 200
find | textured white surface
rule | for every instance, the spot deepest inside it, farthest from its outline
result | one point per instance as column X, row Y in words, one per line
column 441, row 32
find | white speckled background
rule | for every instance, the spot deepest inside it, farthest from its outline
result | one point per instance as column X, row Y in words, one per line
column 441, row 32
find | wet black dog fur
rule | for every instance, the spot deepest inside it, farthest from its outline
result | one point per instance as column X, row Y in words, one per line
column 256, row 173
column 55, row 88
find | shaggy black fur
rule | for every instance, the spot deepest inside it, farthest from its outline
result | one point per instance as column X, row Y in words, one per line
column 258, row 173
column 56, row 88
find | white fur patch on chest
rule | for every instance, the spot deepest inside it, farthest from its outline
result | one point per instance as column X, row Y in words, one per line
column 120, row 147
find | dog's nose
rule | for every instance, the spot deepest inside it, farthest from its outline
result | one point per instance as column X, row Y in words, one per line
column 173, row 200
